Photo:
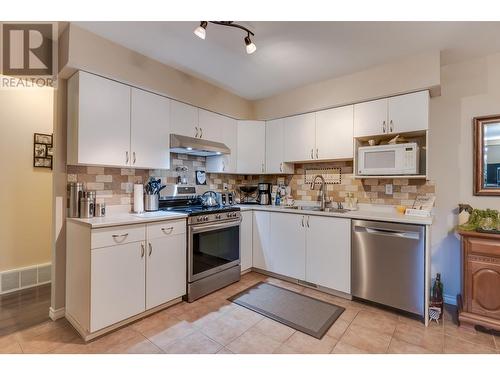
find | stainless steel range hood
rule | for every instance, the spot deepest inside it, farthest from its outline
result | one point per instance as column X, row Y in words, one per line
column 196, row 146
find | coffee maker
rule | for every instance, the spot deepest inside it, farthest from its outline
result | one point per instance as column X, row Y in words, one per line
column 264, row 193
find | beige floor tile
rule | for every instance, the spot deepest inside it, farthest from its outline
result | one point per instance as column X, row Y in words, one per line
column 349, row 314
column 459, row 346
column 253, row 342
column 497, row 341
column 466, row 334
column 366, row 339
column 379, row 322
column 302, row 343
column 276, row 331
column 287, row 285
column 402, row 347
column 155, row 324
column 75, row 347
column 325, row 297
column 174, row 332
column 244, row 316
column 195, row 343
column 285, row 349
column 223, row 330
column 135, row 345
column 338, row 328
column 48, row 340
column 344, row 348
column 104, row 343
column 434, row 327
column 12, row 347
column 425, row 337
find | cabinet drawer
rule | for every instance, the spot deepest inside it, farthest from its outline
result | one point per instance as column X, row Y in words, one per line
column 166, row 228
column 117, row 235
column 483, row 246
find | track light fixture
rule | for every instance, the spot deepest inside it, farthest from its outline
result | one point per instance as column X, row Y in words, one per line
column 201, row 32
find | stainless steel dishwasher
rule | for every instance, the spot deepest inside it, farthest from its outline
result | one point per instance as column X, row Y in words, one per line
column 388, row 264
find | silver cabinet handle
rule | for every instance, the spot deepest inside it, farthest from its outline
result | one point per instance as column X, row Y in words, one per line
column 201, row 132
column 317, row 157
column 223, row 166
column 126, row 157
column 302, row 221
column 281, row 167
column 133, row 157
column 142, row 250
column 196, row 135
column 384, row 127
column 390, row 126
column 262, row 167
column 150, row 248
column 167, row 230
column 308, row 221
column 119, row 235
column 312, row 153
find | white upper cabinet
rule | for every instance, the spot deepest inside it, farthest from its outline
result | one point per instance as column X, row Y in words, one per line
column 184, row 119
column 275, row 148
column 370, row 118
column 150, row 130
column 211, row 125
column 225, row 130
column 407, row 113
column 300, row 137
column 334, row 129
column 398, row 114
column 98, row 121
column 251, row 147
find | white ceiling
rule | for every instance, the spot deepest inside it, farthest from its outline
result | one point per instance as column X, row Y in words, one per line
column 292, row 54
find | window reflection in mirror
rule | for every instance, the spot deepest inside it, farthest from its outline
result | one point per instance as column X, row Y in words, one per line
column 491, row 155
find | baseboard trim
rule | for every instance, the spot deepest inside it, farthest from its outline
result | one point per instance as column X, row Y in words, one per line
column 56, row 314
column 450, row 299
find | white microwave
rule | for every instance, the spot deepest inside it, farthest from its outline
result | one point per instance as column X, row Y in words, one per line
column 399, row 159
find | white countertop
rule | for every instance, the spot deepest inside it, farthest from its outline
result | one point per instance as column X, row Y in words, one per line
column 127, row 219
column 364, row 213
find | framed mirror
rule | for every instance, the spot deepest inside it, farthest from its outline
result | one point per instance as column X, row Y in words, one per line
column 487, row 155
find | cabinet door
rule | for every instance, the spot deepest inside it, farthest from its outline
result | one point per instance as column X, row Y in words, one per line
column 117, row 284
column 275, row 148
column 150, row 130
column 483, row 288
column 288, row 245
column 211, row 125
column 370, row 118
column 300, row 137
column 334, row 129
column 165, row 269
column 229, row 136
column 183, row 119
column 98, row 121
column 328, row 260
column 246, row 240
column 251, row 147
column 409, row 112
column 261, row 237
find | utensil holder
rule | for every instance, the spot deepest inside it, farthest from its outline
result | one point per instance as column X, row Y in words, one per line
column 151, row 202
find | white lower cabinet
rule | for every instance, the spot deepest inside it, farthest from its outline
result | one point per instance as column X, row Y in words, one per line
column 116, row 273
column 261, row 240
column 165, row 263
column 117, row 284
column 311, row 248
column 246, row 240
column 288, row 245
column 328, row 255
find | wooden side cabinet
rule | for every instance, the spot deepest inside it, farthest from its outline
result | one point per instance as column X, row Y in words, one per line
column 479, row 303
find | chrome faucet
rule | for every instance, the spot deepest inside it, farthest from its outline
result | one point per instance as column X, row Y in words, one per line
column 322, row 190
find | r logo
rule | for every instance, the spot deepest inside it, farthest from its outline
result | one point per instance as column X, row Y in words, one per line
column 27, row 49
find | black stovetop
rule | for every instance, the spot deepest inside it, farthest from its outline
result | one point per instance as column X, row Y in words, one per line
column 193, row 207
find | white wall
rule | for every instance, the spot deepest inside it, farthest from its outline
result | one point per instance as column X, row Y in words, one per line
column 468, row 89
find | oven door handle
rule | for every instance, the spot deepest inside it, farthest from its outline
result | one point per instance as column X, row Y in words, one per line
column 215, row 226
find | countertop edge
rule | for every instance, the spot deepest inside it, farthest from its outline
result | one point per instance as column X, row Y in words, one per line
column 124, row 220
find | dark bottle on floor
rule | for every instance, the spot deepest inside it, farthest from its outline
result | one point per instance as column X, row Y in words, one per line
column 437, row 294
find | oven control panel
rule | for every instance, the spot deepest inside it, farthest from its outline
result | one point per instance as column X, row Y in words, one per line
column 220, row 216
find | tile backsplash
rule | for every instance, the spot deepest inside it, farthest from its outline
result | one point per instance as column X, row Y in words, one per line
column 115, row 185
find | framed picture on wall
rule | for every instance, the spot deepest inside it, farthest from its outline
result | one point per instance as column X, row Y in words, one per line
column 42, row 151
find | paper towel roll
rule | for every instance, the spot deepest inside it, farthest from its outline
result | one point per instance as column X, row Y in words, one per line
column 138, row 198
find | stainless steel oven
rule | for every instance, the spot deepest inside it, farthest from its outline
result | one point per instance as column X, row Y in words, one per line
column 213, row 252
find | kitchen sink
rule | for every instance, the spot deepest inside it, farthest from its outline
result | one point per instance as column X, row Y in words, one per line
column 316, row 208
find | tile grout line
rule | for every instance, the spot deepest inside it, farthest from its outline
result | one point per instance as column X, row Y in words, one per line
column 348, row 326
